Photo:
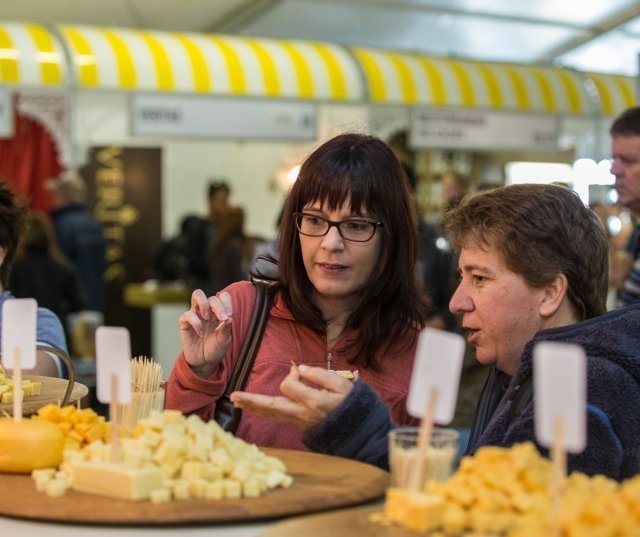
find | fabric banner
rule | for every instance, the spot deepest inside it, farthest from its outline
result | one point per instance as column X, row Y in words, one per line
column 124, row 192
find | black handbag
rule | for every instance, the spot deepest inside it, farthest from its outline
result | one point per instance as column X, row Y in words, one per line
column 227, row 415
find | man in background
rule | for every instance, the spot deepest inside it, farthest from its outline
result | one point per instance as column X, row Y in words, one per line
column 625, row 153
column 80, row 237
column 219, row 193
column 202, row 233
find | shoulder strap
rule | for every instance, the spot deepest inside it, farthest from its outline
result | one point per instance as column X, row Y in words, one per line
column 253, row 336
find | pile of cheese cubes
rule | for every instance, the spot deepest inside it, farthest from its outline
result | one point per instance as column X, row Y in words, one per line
column 506, row 492
column 169, row 456
column 29, row 388
column 80, row 426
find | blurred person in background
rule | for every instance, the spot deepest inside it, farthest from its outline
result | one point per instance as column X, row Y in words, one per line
column 201, row 235
column 49, row 329
column 625, row 154
column 435, row 262
column 172, row 260
column 455, row 186
column 218, row 196
column 265, row 253
column 40, row 271
column 347, row 296
column 434, row 266
column 80, row 237
column 227, row 252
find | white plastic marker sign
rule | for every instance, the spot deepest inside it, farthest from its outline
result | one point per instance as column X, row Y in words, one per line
column 113, row 357
column 19, row 332
column 438, row 364
column 560, row 388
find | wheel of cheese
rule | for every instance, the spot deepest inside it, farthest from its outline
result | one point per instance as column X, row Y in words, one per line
column 28, row 445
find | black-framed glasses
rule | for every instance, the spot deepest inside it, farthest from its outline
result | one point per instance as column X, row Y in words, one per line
column 353, row 229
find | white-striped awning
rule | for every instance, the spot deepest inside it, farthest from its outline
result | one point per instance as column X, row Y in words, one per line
column 30, row 55
column 616, row 93
column 411, row 79
column 125, row 59
column 109, row 58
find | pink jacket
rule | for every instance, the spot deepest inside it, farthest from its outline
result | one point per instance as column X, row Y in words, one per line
column 284, row 340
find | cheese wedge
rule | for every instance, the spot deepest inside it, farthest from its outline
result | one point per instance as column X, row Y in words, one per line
column 115, row 481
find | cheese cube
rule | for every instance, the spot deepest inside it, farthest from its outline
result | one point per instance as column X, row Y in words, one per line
column 232, row 489
column 56, row 488
column 114, row 481
column 160, row 496
column 221, row 458
column 214, row 490
column 416, row 511
column 277, row 478
column 180, row 490
column 251, row 489
column 7, row 397
column 211, row 472
column 192, row 470
column 197, row 488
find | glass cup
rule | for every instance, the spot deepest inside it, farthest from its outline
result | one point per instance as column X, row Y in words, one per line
column 438, row 457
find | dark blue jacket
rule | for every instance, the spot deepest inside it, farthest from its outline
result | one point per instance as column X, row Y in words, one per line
column 612, row 344
column 82, row 241
column 358, row 428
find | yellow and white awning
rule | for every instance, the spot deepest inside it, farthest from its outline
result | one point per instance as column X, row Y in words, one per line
column 616, row 93
column 108, row 58
column 123, row 59
column 30, row 55
column 410, row 79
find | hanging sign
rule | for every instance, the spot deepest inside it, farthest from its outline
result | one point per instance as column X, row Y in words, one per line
column 6, row 114
column 185, row 115
column 449, row 128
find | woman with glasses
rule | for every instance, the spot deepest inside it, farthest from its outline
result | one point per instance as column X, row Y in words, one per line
column 346, row 298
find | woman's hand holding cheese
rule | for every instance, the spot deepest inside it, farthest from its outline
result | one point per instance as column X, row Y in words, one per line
column 300, row 403
column 205, row 330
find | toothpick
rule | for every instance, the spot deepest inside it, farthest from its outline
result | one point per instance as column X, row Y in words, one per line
column 115, row 425
column 559, row 472
column 146, row 380
column 424, row 441
column 223, row 323
column 17, row 385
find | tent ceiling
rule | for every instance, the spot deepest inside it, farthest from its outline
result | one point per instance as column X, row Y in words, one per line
column 589, row 35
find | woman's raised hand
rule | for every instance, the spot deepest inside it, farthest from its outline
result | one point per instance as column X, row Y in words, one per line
column 205, row 331
column 309, row 395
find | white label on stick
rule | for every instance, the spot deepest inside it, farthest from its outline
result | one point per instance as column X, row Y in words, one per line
column 560, row 389
column 113, row 357
column 438, row 365
column 19, row 331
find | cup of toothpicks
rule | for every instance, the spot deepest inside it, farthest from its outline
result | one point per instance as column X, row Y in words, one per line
column 147, row 392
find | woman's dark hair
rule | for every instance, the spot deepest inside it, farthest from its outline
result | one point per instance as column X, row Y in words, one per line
column 12, row 224
column 540, row 231
column 364, row 171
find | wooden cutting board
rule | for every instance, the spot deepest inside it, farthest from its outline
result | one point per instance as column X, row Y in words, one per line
column 53, row 390
column 341, row 523
column 321, row 482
